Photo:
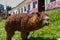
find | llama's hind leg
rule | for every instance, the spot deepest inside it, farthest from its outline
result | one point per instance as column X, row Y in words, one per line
column 24, row 35
column 9, row 35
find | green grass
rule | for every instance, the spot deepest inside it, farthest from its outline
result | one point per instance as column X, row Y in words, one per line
column 51, row 32
column 2, row 31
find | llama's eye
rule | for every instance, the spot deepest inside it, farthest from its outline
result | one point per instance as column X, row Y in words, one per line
column 47, row 19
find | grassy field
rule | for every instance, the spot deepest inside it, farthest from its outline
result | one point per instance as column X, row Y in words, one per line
column 51, row 32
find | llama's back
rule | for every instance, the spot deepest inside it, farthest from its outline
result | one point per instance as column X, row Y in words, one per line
column 16, row 22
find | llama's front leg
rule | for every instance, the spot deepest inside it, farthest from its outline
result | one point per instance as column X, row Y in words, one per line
column 24, row 35
column 9, row 35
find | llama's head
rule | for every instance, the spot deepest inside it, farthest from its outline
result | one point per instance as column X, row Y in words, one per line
column 44, row 17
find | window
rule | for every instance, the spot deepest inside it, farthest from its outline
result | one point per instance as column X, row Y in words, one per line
column 34, row 4
column 28, row 7
column 13, row 12
column 16, row 12
column 52, row 0
column 24, row 8
column 21, row 9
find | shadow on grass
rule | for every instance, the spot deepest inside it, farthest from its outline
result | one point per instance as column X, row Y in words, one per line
column 41, row 38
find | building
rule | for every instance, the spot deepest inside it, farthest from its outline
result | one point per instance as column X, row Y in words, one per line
column 29, row 6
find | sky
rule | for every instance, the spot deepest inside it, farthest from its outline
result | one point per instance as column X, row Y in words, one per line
column 11, row 3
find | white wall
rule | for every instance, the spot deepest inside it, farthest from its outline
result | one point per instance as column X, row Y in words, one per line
column 46, row 4
column 52, row 5
column 31, row 6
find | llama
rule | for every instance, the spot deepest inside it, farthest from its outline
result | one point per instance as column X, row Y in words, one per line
column 25, row 23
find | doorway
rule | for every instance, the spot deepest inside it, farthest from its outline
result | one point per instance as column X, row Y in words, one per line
column 41, row 5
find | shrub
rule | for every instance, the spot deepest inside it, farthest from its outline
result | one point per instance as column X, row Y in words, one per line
column 5, row 17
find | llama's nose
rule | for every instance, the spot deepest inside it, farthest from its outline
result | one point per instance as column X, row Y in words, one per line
column 46, row 23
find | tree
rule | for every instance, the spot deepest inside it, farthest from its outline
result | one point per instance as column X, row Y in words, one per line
column 1, row 8
column 8, row 8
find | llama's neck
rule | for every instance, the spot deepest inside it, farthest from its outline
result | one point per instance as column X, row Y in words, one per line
column 39, row 24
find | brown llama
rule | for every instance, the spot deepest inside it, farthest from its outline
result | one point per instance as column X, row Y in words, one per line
column 25, row 23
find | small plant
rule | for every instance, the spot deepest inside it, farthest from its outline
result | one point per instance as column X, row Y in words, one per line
column 5, row 17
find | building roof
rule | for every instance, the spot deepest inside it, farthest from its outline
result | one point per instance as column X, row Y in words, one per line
column 18, row 4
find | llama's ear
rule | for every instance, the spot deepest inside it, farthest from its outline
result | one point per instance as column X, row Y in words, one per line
column 38, row 14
